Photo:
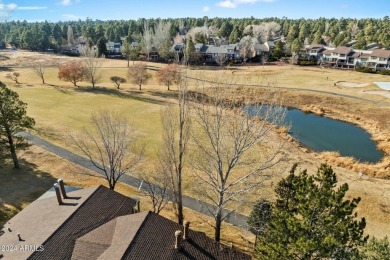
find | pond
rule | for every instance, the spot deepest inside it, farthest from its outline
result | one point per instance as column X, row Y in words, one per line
column 324, row 134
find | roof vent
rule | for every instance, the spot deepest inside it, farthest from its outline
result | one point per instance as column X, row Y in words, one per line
column 186, row 230
column 178, row 240
column 57, row 190
column 62, row 187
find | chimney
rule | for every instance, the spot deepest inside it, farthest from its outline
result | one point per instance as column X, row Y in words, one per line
column 57, row 189
column 186, row 230
column 178, row 240
column 62, row 187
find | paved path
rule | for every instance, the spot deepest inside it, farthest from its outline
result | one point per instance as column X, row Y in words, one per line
column 234, row 218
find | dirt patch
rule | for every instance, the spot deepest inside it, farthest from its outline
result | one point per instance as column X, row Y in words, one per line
column 382, row 93
column 351, row 84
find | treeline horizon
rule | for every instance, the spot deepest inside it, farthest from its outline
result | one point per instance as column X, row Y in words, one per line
column 327, row 31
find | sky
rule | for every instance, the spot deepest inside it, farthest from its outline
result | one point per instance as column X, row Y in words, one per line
column 66, row 10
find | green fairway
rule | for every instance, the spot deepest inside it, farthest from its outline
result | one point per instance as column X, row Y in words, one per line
column 59, row 111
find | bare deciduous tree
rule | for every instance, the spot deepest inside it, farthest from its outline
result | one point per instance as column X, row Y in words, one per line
column 235, row 150
column 147, row 39
column 70, row 35
column 111, row 145
column 39, row 68
column 161, row 34
column 73, row 72
column 14, row 76
column 138, row 74
column 176, row 134
column 221, row 59
column 157, row 186
column 263, row 31
column 246, row 47
column 169, row 75
column 92, row 65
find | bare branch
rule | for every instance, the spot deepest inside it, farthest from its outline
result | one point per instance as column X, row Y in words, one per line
column 111, row 145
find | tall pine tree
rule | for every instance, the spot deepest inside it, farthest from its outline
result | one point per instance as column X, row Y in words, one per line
column 311, row 219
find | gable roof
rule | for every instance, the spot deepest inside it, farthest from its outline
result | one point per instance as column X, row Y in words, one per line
column 147, row 235
column 110, row 240
column 56, row 227
column 156, row 239
column 342, row 50
column 315, row 46
column 381, row 53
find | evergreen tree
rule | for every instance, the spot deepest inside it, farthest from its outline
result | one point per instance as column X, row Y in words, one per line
column 190, row 52
column 102, row 47
column 312, row 220
column 233, row 38
column 13, row 119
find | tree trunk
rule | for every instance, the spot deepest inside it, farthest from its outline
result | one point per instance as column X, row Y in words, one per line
column 12, row 147
column 139, row 87
column 218, row 224
column 128, row 62
column 180, row 215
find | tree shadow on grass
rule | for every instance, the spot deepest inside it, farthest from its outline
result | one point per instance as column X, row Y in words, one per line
column 121, row 94
column 19, row 187
column 168, row 94
column 62, row 90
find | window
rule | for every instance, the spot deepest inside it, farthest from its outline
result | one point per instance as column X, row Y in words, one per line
column 374, row 57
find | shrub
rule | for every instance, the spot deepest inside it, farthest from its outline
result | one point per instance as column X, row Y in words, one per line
column 385, row 72
column 306, row 63
column 365, row 70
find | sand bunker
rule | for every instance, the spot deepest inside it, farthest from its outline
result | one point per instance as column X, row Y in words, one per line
column 383, row 93
column 383, row 85
column 351, row 84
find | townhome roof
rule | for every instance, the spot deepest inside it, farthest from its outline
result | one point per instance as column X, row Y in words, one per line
column 327, row 52
column 56, row 227
column 381, row 53
column 342, row 50
column 155, row 240
column 315, row 46
column 97, row 223
column 261, row 47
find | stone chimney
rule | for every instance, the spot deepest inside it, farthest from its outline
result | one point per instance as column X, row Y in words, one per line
column 178, row 240
column 186, row 230
column 57, row 190
column 62, row 188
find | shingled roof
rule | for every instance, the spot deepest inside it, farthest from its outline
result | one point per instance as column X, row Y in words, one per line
column 155, row 239
column 342, row 50
column 97, row 223
column 56, row 227
column 381, row 53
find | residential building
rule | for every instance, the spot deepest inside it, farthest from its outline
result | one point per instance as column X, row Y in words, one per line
column 313, row 52
column 347, row 57
column 113, row 47
column 99, row 223
column 379, row 59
